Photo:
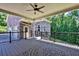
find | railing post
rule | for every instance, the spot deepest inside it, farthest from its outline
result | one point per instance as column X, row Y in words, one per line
column 54, row 36
column 10, row 36
column 25, row 35
column 41, row 35
column 45, row 34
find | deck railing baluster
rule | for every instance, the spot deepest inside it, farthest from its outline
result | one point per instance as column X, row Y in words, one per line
column 10, row 36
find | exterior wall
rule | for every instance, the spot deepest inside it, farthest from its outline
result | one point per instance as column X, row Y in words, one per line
column 22, row 29
column 44, row 27
column 13, row 23
column 13, row 20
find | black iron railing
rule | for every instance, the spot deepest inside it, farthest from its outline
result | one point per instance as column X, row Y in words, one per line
column 12, row 36
column 70, row 37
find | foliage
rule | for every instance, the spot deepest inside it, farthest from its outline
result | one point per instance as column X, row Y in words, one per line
column 66, row 23
column 3, row 23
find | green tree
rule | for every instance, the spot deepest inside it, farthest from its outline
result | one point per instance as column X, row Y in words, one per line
column 3, row 24
column 3, row 19
column 66, row 23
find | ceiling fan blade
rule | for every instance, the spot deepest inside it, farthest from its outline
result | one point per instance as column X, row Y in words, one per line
column 40, row 11
column 41, row 7
column 29, row 10
column 32, row 5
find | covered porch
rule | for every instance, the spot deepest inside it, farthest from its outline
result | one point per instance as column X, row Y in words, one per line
column 30, row 40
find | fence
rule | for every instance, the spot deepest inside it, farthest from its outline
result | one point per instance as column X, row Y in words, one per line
column 43, row 35
column 70, row 37
column 11, row 36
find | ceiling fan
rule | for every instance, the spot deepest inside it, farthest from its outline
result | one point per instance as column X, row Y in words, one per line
column 36, row 8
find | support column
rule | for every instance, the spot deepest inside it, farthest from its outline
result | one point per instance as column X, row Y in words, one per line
column 33, row 30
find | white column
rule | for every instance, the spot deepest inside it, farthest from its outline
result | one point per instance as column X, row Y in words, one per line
column 33, row 30
column 28, row 34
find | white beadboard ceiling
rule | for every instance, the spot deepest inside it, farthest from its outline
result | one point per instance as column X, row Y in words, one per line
column 49, row 9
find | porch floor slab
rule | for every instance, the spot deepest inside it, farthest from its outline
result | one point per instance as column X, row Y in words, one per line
column 33, row 47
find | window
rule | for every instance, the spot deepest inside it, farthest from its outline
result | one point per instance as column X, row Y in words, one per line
column 38, row 27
